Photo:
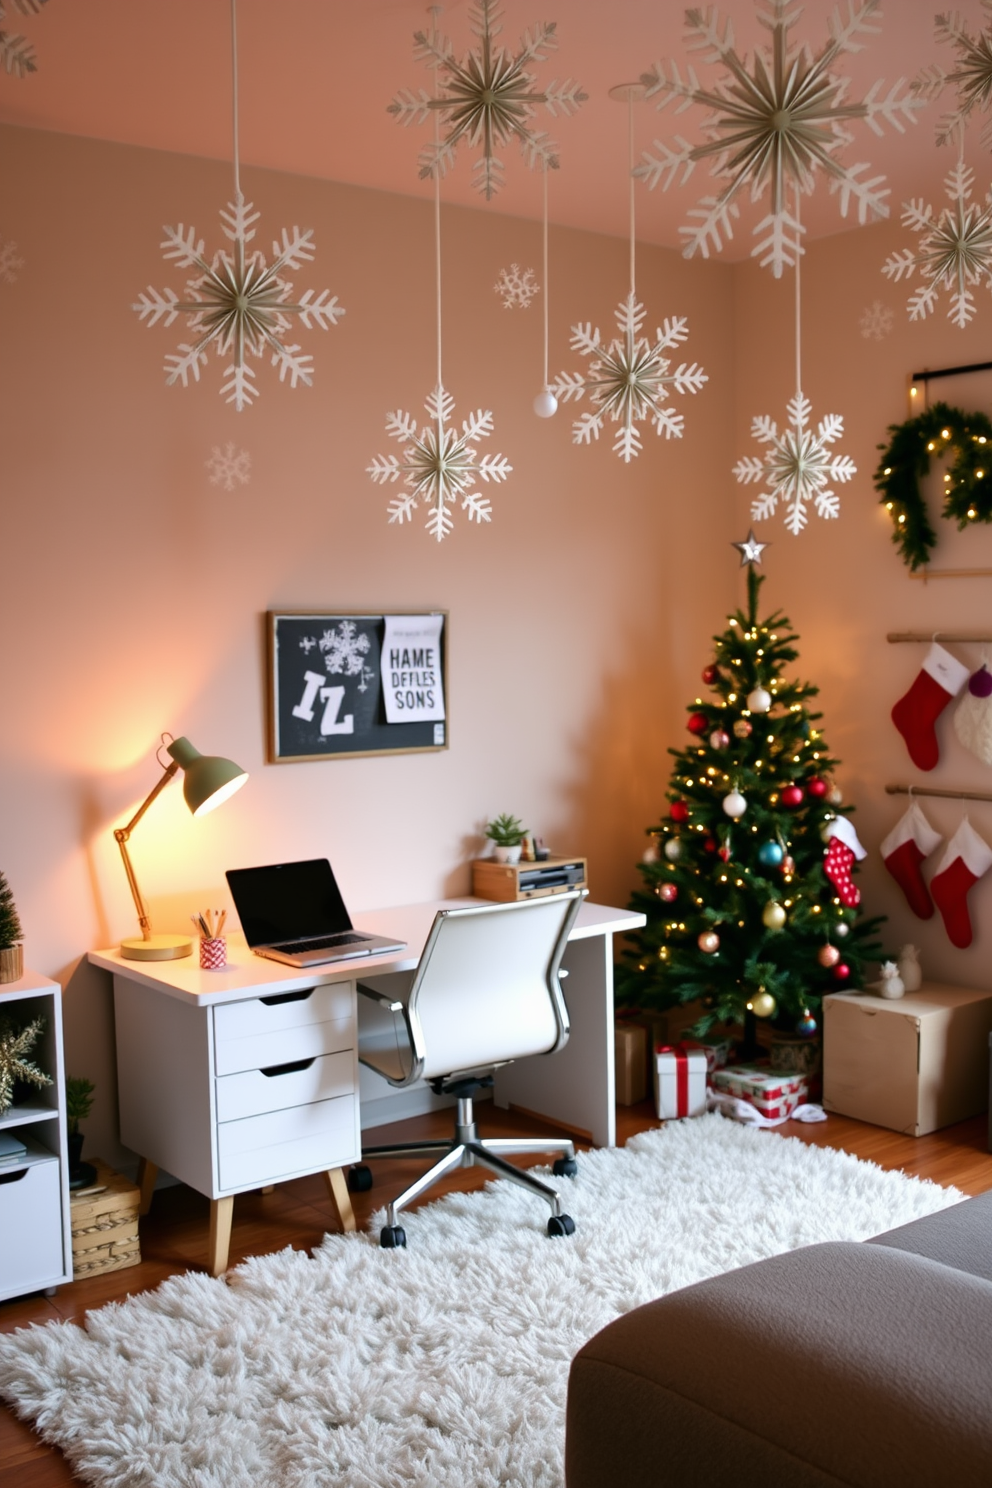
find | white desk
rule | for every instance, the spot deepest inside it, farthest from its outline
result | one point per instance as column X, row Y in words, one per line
column 207, row 1091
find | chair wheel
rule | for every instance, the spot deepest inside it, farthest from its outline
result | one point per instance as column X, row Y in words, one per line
column 565, row 1167
column 561, row 1224
column 359, row 1178
column 393, row 1237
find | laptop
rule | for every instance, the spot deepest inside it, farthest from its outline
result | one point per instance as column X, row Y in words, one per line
column 293, row 912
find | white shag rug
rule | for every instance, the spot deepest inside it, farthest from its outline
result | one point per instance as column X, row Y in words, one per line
column 442, row 1366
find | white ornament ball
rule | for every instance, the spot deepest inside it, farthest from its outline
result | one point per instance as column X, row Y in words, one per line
column 759, row 701
column 673, row 849
column 773, row 915
column 842, row 928
column 546, row 404
column 734, row 804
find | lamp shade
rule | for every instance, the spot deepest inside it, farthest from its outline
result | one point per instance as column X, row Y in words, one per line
column 208, row 779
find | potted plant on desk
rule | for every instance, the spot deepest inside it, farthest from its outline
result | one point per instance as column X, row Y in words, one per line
column 78, row 1104
column 507, row 835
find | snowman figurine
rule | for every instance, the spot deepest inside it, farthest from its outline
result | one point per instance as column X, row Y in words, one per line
column 909, row 968
column 890, row 983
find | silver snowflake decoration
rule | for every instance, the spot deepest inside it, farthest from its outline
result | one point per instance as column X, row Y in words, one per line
column 516, row 288
column 239, row 303
column 954, row 251
column 774, row 122
column 487, row 99
column 439, row 465
column 16, row 52
column 971, row 76
column 797, row 466
column 10, row 263
column 876, row 321
column 628, row 381
column 229, row 467
column 344, row 649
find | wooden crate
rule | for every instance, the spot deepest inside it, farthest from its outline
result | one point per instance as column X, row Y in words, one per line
column 508, row 882
column 104, row 1224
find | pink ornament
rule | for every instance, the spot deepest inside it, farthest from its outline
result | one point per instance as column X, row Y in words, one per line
column 742, row 728
column 841, row 971
column 668, row 892
column 719, row 739
column 828, row 955
column 708, row 942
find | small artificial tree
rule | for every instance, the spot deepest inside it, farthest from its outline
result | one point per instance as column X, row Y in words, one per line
column 78, row 1100
column 506, row 830
column 747, row 890
column 11, row 933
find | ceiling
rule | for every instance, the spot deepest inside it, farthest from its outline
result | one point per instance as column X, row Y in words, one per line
column 316, row 76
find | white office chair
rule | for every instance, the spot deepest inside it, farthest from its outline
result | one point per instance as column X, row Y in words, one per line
column 486, row 991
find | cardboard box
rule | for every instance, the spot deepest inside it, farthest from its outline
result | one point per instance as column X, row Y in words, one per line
column 630, row 1059
column 775, row 1093
column 912, row 1064
column 104, row 1225
column 679, row 1082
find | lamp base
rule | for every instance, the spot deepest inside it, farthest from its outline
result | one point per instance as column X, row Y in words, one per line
column 156, row 948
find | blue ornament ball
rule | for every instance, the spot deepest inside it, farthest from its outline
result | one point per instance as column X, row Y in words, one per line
column 771, row 854
column 806, row 1026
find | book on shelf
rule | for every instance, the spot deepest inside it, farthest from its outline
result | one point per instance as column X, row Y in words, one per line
column 12, row 1149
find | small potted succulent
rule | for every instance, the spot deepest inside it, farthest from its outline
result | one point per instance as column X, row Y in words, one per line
column 507, row 834
column 78, row 1104
column 11, row 935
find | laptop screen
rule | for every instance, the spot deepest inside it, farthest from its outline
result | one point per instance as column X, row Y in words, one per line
column 288, row 901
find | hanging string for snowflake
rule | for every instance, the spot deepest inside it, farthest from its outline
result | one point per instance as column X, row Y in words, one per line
column 487, row 99
column 777, row 119
column 971, row 76
column 953, row 252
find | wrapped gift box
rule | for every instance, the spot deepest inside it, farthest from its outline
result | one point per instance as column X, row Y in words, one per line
column 679, row 1081
column 716, row 1050
column 775, row 1093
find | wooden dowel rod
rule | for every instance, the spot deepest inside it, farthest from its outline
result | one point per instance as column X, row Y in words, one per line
column 952, row 573
column 931, row 790
column 936, row 635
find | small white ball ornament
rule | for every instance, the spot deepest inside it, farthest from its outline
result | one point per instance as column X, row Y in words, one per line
column 734, row 804
column 842, row 928
column 673, row 849
column 546, row 404
column 759, row 701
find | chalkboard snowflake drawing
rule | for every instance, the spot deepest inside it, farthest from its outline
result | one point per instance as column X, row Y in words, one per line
column 971, row 76
column 487, row 99
column 439, row 465
column 240, row 304
column 774, row 122
column 797, row 467
column 307, row 644
column 876, row 321
column 17, row 53
column 954, row 252
column 344, row 649
column 229, row 468
column 10, row 263
column 629, row 380
column 516, row 288
column 15, row 1044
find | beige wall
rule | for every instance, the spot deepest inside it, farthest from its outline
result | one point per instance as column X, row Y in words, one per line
column 133, row 591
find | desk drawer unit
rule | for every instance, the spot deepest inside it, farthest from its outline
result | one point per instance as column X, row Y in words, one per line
column 304, row 1139
column 268, row 1031
column 31, row 1225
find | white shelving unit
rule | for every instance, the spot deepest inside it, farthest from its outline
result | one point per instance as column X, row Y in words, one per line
column 35, row 1230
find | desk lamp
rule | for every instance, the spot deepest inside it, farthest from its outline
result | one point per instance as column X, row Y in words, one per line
column 208, row 781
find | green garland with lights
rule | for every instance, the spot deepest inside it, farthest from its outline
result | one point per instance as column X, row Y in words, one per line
column 967, row 482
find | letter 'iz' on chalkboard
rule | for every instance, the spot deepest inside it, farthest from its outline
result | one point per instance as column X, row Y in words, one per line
column 304, row 708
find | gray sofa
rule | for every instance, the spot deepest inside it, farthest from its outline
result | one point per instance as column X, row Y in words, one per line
column 843, row 1363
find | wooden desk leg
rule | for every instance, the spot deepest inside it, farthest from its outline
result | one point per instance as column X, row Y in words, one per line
column 221, row 1214
column 147, row 1173
column 337, row 1186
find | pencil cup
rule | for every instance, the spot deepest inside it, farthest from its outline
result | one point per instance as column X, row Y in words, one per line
column 213, row 953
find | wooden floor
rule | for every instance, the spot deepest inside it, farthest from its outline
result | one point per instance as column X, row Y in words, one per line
column 174, row 1234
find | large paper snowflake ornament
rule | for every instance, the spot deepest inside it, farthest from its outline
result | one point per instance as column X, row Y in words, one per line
column 487, row 99
column 971, row 76
column 628, row 381
column 516, row 287
column 439, row 465
column 16, row 52
column 797, row 467
column 954, row 251
column 775, row 121
column 239, row 303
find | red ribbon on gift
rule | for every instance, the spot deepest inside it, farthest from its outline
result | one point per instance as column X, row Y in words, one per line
column 681, row 1075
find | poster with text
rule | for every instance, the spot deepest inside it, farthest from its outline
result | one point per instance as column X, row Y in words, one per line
column 412, row 683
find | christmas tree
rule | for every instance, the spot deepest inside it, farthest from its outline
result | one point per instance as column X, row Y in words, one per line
column 750, row 903
column 10, row 925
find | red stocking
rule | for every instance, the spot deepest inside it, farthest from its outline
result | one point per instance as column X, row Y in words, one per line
column 939, row 680
column 911, row 840
column 842, row 849
column 967, row 857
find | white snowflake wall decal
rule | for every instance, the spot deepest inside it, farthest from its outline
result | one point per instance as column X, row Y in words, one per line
column 487, row 99
column 876, row 321
column 16, row 52
column 777, row 119
column 971, row 76
column 954, row 251
column 439, row 465
column 239, row 303
column 229, row 467
column 516, row 288
column 797, row 466
column 10, row 263
column 629, row 380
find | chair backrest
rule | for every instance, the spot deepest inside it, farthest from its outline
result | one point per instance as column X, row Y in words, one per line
column 486, row 989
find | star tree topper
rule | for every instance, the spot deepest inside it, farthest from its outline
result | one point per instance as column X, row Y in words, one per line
column 628, row 381
column 971, row 77
column 797, row 466
column 776, row 120
column 240, row 304
column 487, row 99
column 953, row 253
column 439, row 465
column 750, row 549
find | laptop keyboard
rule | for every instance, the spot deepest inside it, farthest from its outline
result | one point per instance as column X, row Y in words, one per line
column 323, row 943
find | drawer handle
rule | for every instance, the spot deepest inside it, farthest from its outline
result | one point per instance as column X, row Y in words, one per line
column 286, row 1069
column 282, row 997
column 13, row 1177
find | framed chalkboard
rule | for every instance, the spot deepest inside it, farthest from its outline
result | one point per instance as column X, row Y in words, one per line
column 356, row 684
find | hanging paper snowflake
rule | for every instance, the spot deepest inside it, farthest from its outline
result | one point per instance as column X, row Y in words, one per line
column 876, row 321
column 487, row 99
column 229, row 468
column 628, row 381
column 516, row 289
column 10, row 263
column 774, row 122
column 16, row 52
column 439, row 465
column 239, row 303
column 796, row 466
column 972, row 76
column 954, row 251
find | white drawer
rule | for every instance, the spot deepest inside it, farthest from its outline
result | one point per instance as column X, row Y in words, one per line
column 286, row 1046
column 277, row 1087
column 30, row 1227
column 306, row 1139
column 283, row 1010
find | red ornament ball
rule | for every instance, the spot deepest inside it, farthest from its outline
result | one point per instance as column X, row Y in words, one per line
column 711, row 674
column 816, row 786
column 710, row 844
column 719, row 739
column 743, row 727
column 792, row 795
column 679, row 811
column 841, row 971
column 708, row 942
column 788, row 864
column 668, row 892
column 697, row 723
column 828, row 955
